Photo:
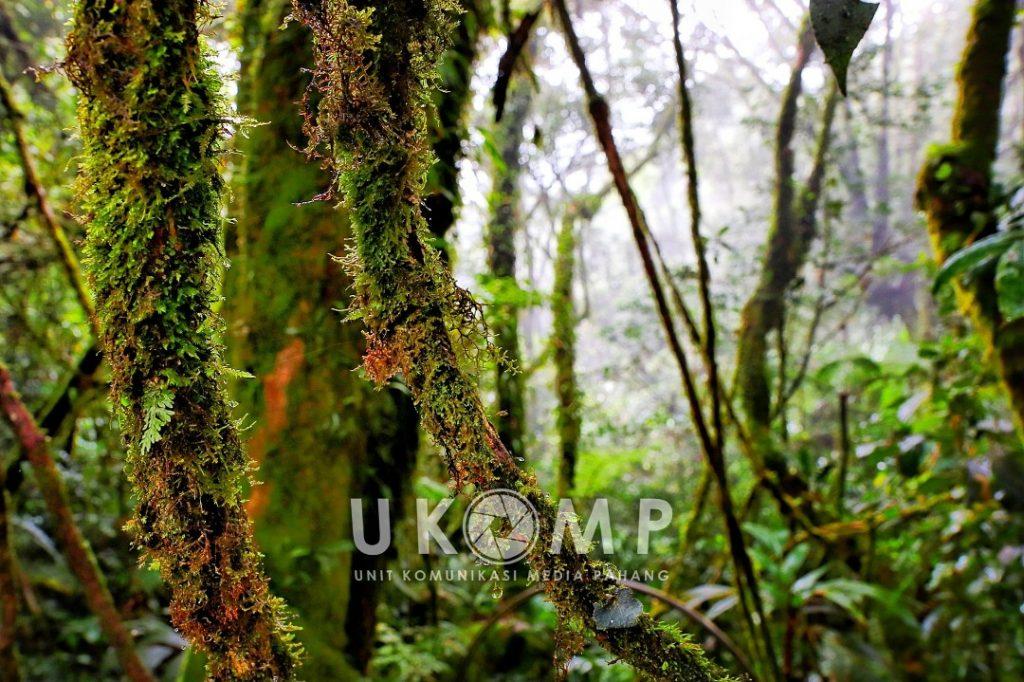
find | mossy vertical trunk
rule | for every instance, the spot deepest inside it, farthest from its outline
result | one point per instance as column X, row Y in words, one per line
column 322, row 435
column 502, row 229
column 955, row 185
column 792, row 231
column 563, row 341
column 152, row 122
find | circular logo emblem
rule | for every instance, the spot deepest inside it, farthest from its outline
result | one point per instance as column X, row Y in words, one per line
column 500, row 526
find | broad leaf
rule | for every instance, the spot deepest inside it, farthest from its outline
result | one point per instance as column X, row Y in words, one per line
column 1010, row 282
column 976, row 256
column 839, row 26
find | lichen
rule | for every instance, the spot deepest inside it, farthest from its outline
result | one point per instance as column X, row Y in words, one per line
column 153, row 122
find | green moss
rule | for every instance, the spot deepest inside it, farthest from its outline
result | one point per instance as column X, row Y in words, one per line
column 152, row 124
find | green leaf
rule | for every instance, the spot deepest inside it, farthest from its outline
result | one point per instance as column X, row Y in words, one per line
column 839, row 26
column 158, row 403
column 976, row 256
column 1010, row 282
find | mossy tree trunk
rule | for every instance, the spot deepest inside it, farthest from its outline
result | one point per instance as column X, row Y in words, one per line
column 792, row 231
column 955, row 185
column 563, row 341
column 504, row 226
column 152, row 122
column 418, row 320
column 322, row 435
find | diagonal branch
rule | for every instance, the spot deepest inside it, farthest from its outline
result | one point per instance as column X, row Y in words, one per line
column 76, row 548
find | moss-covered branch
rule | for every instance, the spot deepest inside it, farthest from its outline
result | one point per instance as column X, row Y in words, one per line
column 955, row 185
column 375, row 63
column 323, row 436
column 76, row 548
column 152, row 122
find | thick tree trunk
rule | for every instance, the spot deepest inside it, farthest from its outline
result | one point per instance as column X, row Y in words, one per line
column 323, row 436
column 152, row 119
column 955, row 185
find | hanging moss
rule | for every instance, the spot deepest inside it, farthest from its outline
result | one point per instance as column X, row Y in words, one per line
column 419, row 322
column 152, row 124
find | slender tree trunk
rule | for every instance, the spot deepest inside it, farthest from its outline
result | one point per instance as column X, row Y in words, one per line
column 880, row 230
column 152, row 118
column 955, row 185
column 793, row 229
column 79, row 555
column 37, row 193
column 504, row 225
column 442, row 197
column 563, row 340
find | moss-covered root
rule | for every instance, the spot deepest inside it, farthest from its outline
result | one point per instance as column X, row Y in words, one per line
column 375, row 61
column 954, row 188
column 152, row 121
